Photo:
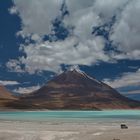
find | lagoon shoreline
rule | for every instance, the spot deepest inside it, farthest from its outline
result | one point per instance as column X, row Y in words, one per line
column 69, row 125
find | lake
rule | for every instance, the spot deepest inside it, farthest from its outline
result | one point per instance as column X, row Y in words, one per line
column 106, row 115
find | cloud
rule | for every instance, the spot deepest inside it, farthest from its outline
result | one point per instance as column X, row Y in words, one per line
column 13, row 10
column 14, row 65
column 127, row 79
column 26, row 90
column 126, row 31
column 81, row 46
column 6, row 83
column 106, row 9
column 37, row 16
column 50, row 55
column 84, row 15
column 132, row 92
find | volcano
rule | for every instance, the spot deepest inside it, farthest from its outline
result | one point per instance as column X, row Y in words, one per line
column 74, row 89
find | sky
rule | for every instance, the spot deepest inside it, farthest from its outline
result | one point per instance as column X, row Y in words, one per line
column 39, row 39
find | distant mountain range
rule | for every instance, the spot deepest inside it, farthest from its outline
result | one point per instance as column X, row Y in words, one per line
column 74, row 90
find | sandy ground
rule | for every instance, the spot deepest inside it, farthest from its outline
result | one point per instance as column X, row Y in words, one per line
column 19, row 130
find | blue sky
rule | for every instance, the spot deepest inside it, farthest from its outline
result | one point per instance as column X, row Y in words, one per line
column 41, row 38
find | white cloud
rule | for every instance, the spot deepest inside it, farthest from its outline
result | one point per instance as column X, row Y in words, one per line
column 83, row 22
column 50, row 55
column 37, row 17
column 14, row 65
column 26, row 90
column 106, row 9
column 127, row 79
column 5, row 83
column 131, row 92
column 126, row 31
column 82, row 18
column 13, row 10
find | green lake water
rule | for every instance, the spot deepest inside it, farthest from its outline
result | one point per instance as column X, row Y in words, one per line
column 71, row 115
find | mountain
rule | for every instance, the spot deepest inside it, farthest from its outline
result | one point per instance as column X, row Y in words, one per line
column 5, row 97
column 74, row 89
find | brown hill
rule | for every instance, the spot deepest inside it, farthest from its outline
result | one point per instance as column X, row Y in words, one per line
column 74, row 89
column 5, row 97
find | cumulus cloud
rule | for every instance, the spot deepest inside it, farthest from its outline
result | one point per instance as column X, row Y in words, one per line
column 26, row 90
column 50, row 55
column 37, row 16
column 14, row 65
column 81, row 46
column 108, row 8
column 127, row 79
column 126, row 31
column 7, row 83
